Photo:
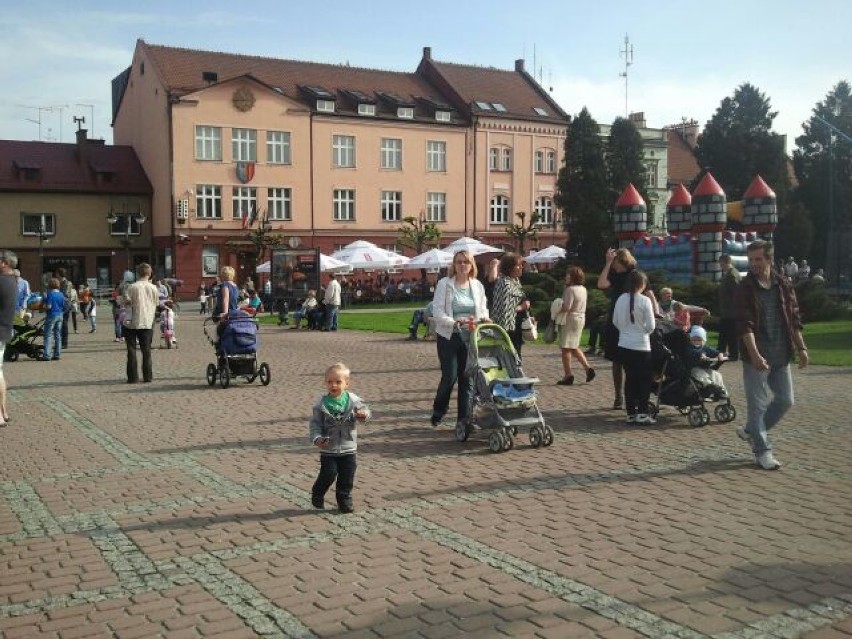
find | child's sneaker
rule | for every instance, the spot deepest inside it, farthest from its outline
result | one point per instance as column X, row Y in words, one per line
column 644, row 418
column 631, row 419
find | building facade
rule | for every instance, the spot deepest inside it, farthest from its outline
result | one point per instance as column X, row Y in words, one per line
column 327, row 154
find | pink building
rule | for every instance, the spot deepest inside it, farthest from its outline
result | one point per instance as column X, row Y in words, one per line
column 328, row 153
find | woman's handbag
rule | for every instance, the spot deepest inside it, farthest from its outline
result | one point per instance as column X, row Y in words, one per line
column 550, row 333
column 529, row 328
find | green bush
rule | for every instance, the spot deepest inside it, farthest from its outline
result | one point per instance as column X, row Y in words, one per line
column 815, row 304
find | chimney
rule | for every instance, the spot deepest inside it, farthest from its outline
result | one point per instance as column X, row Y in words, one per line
column 638, row 119
column 427, row 53
column 689, row 132
column 519, row 65
column 81, row 136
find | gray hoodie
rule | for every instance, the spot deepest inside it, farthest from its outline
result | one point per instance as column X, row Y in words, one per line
column 341, row 431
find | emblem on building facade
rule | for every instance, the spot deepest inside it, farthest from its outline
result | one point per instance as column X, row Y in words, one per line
column 245, row 172
column 243, row 99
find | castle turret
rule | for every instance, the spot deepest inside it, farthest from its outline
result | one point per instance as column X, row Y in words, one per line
column 629, row 217
column 709, row 216
column 760, row 209
column 679, row 211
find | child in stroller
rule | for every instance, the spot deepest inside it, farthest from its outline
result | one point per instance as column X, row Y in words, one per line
column 503, row 397
column 235, row 340
column 704, row 365
column 24, row 337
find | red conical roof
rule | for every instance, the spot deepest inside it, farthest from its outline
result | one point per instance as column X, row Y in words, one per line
column 708, row 186
column 680, row 197
column 630, row 197
column 758, row 188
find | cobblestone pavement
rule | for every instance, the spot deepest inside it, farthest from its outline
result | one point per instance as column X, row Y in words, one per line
column 178, row 510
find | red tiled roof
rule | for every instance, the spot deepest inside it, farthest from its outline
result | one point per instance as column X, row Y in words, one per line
column 60, row 168
column 683, row 167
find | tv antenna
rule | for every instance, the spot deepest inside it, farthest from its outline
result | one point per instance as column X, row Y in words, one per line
column 627, row 54
column 91, row 108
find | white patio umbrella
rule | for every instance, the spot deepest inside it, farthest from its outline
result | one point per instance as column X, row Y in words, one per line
column 329, row 264
column 366, row 255
column 546, row 255
column 472, row 246
column 434, row 258
column 266, row 267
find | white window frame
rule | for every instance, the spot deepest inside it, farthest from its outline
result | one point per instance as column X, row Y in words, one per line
column 405, row 113
column 343, row 151
column 244, row 145
column 436, row 156
column 325, row 106
column 278, row 149
column 279, row 203
column 499, row 210
column 244, row 200
column 493, row 158
column 391, row 154
column 343, row 205
column 506, row 159
column 391, row 206
column 652, row 170
column 47, row 221
column 550, row 161
column 208, row 143
column 367, row 109
column 544, row 208
column 119, row 227
column 208, row 201
column 539, row 161
column 443, row 116
column 436, row 206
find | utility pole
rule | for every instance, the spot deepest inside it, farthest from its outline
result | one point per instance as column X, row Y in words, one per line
column 627, row 54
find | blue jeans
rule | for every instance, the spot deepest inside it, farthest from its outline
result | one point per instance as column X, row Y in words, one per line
column 53, row 337
column 769, row 395
column 331, row 316
column 452, row 353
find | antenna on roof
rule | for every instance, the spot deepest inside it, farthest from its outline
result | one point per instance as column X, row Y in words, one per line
column 627, row 53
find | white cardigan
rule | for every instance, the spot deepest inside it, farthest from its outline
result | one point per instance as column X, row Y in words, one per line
column 442, row 304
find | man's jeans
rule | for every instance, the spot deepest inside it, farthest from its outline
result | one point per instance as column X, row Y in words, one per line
column 143, row 337
column 769, row 395
column 53, row 337
column 331, row 316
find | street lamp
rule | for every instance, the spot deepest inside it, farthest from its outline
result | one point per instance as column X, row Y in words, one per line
column 43, row 238
column 113, row 217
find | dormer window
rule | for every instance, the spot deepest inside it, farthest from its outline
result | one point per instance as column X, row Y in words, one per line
column 406, row 113
column 28, row 171
column 499, row 107
column 484, row 106
column 325, row 106
column 540, row 111
column 366, row 109
column 443, row 116
column 324, row 98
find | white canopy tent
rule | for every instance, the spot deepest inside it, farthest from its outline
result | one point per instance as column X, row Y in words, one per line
column 431, row 259
column 469, row 244
column 366, row 255
column 547, row 255
column 327, row 265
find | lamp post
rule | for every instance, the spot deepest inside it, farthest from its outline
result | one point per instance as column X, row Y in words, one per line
column 113, row 217
column 43, row 239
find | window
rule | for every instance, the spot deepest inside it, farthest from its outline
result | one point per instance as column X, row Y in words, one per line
column 498, row 107
column 244, row 145
column 436, row 207
column 343, row 147
column 393, row 248
column 539, row 111
column 436, row 156
column 209, row 261
column 208, row 201
column 485, row 106
column 339, row 247
column 493, row 158
column 366, row 109
column 550, row 166
column 443, row 116
column 544, row 208
column 344, row 205
column 208, row 143
column 391, row 154
column 326, row 106
column 652, row 169
column 278, row 147
column 406, row 113
column 506, row 157
column 121, row 222
column 539, row 161
column 32, row 223
column 499, row 209
column 279, row 204
column 245, row 201
column 391, row 206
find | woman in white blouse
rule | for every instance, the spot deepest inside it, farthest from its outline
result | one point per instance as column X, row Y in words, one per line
column 459, row 302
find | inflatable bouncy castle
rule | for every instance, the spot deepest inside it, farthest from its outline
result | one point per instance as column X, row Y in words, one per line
column 696, row 225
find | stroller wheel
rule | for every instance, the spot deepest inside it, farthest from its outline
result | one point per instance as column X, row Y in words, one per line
column 732, row 413
column 225, row 376
column 721, row 413
column 696, row 419
column 462, row 431
column 684, row 410
column 211, row 374
column 265, row 374
column 10, row 356
column 495, row 441
column 508, row 440
column 547, row 439
column 535, row 437
column 705, row 416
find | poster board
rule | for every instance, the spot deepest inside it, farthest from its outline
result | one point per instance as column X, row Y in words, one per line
column 294, row 273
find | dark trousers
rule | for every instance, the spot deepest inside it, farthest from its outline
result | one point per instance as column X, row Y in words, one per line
column 517, row 337
column 339, row 467
column 65, row 318
column 142, row 337
column 452, row 354
column 728, row 338
column 637, row 379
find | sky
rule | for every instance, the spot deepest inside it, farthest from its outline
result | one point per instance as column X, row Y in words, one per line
column 57, row 58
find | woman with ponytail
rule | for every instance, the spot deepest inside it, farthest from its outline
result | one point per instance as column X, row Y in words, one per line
column 633, row 316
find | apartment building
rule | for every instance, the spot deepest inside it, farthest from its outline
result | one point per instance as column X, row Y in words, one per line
column 327, row 154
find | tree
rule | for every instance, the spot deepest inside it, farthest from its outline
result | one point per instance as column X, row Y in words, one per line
column 417, row 233
column 582, row 191
column 255, row 242
column 738, row 143
column 520, row 232
column 823, row 164
column 625, row 160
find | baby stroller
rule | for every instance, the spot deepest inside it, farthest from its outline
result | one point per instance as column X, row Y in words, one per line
column 24, row 340
column 236, row 350
column 676, row 386
column 503, row 397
